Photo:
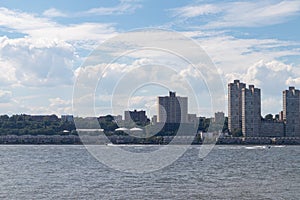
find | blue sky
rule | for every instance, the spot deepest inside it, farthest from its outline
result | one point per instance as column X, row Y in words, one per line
column 43, row 45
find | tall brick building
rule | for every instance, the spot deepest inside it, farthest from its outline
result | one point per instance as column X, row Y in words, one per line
column 244, row 113
column 235, row 106
column 291, row 112
column 172, row 108
column 251, row 111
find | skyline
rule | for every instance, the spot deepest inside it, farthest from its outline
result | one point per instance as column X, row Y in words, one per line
column 165, row 96
column 222, row 111
column 260, row 47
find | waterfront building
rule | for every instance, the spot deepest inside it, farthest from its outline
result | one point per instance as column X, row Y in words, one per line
column 251, row 111
column 244, row 113
column 139, row 117
column 154, row 119
column 67, row 118
column 117, row 118
column 172, row 108
column 281, row 116
column 271, row 128
column 291, row 112
column 219, row 118
column 192, row 118
column 235, row 106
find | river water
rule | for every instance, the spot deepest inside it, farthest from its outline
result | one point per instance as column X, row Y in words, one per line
column 228, row 172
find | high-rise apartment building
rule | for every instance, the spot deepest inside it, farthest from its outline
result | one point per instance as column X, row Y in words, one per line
column 172, row 108
column 291, row 112
column 244, row 113
column 251, row 111
column 235, row 106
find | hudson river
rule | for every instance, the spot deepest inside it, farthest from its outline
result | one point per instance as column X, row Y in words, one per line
column 228, row 172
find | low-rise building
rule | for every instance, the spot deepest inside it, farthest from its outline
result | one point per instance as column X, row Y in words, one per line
column 67, row 118
column 271, row 128
column 219, row 118
column 138, row 117
column 192, row 119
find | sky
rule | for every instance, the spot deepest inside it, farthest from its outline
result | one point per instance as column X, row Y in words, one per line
column 44, row 48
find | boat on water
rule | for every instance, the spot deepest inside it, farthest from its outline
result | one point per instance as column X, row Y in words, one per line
column 256, row 147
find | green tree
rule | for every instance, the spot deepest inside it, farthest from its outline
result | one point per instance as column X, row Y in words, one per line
column 269, row 117
column 237, row 133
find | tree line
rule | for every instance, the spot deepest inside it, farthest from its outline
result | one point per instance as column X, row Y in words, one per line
column 35, row 125
column 52, row 125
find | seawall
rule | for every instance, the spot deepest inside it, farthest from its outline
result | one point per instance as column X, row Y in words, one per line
column 101, row 139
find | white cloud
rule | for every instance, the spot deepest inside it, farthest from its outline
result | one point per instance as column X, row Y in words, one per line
column 129, row 86
column 60, row 106
column 46, row 55
column 252, row 14
column 41, row 62
column 7, row 73
column 234, row 55
column 124, row 7
column 21, row 21
column 56, row 106
column 194, row 11
column 59, row 102
column 38, row 27
column 271, row 105
column 272, row 77
column 293, row 81
column 242, row 13
column 52, row 12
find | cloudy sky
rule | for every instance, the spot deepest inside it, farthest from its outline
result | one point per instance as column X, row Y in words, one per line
column 43, row 46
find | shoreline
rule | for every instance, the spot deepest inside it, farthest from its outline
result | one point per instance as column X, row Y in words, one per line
column 128, row 140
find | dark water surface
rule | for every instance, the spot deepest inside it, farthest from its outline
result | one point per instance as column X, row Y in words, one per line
column 228, row 172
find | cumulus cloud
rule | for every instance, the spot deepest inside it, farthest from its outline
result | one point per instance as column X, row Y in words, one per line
column 7, row 73
column 44, row 57
column 272, row 77
column 130, row 85
column 41, row 62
